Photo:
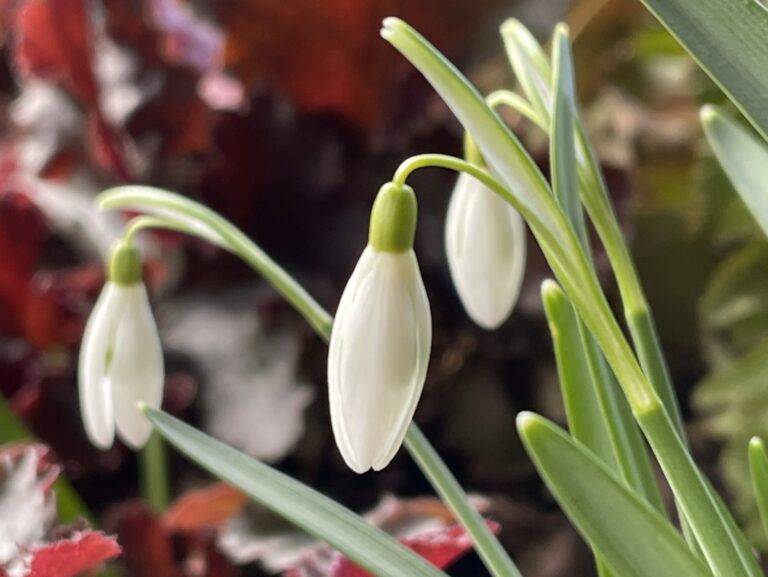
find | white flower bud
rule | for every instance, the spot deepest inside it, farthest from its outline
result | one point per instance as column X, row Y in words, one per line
column 381, row 340
column 121, row 360
column 485, row 243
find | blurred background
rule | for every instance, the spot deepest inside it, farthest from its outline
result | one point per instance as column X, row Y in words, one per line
column 287, row 117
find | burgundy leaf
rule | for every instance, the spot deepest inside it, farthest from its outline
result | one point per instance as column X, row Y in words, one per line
column 70, row 557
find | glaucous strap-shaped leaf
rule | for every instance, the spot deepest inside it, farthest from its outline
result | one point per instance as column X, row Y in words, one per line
column 318, row 515
column 531, row 65
column 728, row 40
column 633, row 539
column 532, row 69
column 629, row 451
column 527, row 192
column 562, row 143
column 598, row 415
column 742, row 155
column 758, row 467
column 582, row 406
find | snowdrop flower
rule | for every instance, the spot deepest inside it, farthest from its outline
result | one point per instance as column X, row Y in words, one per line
column 381, row 338
column 121, row 361
column 485, row 242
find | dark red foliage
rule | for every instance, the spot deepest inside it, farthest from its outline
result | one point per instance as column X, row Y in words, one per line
column 42, row 548
column 74, row 555
column 151, row 548
column 54, row 42
column 440, row 547
column 327, row 56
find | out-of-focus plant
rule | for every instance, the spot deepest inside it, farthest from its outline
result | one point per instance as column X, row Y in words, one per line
column 733, row 399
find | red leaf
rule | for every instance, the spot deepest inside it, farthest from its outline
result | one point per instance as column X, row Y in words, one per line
column 327, row 56
column 207, row 508
column 52, row 43
column 152, row 549
column 70, row 557
column 146, row 543
column 441, row 547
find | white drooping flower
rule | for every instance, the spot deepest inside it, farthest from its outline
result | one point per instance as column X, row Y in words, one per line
column 121, row 360
column 485, row 243
column 381, row 339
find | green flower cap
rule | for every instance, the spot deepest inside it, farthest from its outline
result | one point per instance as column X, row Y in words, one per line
column 125, row 264
column 393, row 219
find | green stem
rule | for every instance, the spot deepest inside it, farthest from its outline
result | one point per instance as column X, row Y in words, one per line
column 139, row 223
column 153, row 467
column 594, row 194
column 516, row 103
column 450, row 162
column 534, row 201
column 646, row 340
column 209, row 225
column 149, row 200
column 447, row 487
column 630, row 452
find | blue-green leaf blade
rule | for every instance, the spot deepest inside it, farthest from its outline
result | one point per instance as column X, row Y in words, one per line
column 632, row 538
column 744, row 158
column 758, row 467
column 728, row 40
column 318, row 515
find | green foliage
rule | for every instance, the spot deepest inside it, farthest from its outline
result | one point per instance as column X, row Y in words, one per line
column 727, row 38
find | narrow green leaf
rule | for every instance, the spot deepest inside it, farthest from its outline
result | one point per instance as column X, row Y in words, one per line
column 634, row 539
column 582, row 408
column 597, row 411
column 728, row 40
column 529, row 195
column 628, row 450
column 529, row 62
column 575, row 155
column 744, row 157
column 722, row 543
column 318, row 515
column 758, row 466
column 531, row 65
column 562, row 144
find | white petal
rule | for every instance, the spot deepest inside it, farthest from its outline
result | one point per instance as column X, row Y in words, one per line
column 485, row 244
column 378, row 357
column 136, row 372
column 95, row 394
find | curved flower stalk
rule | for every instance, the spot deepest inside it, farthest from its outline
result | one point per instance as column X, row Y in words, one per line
column 121, row 360
column 381, row 339
column 485, row 243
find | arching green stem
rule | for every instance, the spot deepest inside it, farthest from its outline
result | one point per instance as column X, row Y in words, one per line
column 452, row 163
column 517, row 103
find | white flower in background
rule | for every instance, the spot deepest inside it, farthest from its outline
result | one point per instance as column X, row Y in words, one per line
column 121, row 360
column 381, row 339
column 485, row 243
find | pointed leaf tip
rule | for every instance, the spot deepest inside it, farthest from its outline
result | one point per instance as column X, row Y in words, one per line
column 526, row 421
column 708, row 114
